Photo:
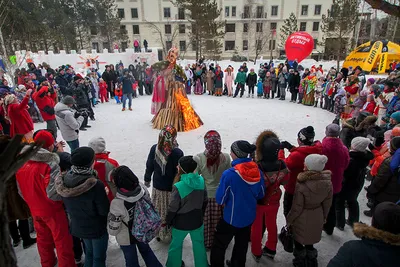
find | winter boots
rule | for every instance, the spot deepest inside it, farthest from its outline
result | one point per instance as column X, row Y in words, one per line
column 311, row 258
column 299, row 258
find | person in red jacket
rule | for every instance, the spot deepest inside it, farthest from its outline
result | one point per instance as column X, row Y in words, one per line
column 18, row 115
column 338, row 160
column 270, row 160
column 36, row 180
column 45, row 100
column 370, row 105
column 103, row 91
column 295, row 161
column 104, row 165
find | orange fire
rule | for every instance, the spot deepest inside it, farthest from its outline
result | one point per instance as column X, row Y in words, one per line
column 191, row 119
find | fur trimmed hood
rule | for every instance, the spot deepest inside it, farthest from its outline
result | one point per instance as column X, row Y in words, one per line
column 313, row 175
column 366, row 123
column 260, row 140
column 44, row 155
column 64, row 191
column 369, row 232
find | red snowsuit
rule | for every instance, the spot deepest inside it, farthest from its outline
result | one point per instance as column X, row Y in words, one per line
column 103, row 91
column 45, row 103
column 36, row 182
column 104, row 167
column 267, row 210
column 21, row 121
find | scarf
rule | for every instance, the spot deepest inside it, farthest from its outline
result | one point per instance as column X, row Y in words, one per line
column 212, row 141
column 83, row 170
column 166, row 143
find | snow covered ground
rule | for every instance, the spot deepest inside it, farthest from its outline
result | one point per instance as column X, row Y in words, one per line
column 129, row 136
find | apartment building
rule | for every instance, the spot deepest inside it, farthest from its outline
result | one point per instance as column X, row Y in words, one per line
column 248, row 23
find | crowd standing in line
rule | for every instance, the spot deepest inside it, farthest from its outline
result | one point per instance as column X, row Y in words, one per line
column 211, row 196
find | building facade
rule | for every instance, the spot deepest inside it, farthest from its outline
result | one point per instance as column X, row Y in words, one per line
column 252, row 26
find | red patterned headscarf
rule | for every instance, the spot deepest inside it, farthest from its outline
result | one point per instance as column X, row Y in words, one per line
column 166, row 143
column 212, row 141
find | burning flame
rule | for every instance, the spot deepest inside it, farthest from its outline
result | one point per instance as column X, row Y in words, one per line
column 191, row 119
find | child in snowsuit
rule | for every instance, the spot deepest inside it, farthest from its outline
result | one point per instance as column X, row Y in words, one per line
column 267, row 85
column 103, row 91
column 118, row 94
column 104, row 165
column 260, row 88
column 186, row 212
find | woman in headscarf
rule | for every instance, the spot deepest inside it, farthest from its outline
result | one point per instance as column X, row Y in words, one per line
column 211, row 164
column 162, row 165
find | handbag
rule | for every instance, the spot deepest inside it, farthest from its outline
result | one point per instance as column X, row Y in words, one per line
column 286, row 238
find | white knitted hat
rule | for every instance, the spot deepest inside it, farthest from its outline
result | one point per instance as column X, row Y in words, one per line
column 315, row 162
column 360, row 144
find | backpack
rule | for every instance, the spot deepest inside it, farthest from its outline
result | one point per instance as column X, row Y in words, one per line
column 146, row 222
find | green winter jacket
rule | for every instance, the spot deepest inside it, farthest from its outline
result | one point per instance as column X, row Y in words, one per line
column 188, row 203
column 240, row 78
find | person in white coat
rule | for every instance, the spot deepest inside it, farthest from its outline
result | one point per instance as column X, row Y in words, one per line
column 189, row 76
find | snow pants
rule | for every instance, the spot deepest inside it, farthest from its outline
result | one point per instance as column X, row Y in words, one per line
column 52, row 231
column 175, row 249
column 265, row 218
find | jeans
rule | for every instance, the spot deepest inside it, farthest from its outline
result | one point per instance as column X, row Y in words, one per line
column 52, row 126
column 330, row 224
column 251, row 90
column 131, row 257
column 175, row 249
column 96, row 251
column 73, row 144
column 223, row 237
column 240, row 87
column 127, row 96
column 282, row 90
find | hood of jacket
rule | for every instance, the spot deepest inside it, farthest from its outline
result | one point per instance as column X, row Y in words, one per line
column 366, row 123
column 132, row 196
column 364, row 231
column 268, row 160
column 366, row 156
column 313, row 179
column 61, row 107
column 247, row 170
column 193, row 180
column 43, row 155
column 73, row 184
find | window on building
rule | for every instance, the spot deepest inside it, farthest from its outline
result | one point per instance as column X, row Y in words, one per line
column 317, row 10
column 182, row 46
column 122, row 29
column 272, row 44
column 233, row 11
column 245, row 45
column 315, row 26
column 245, row 27
column 134, row 13
column 259, row 27
column 303, row 26
column 93, row 30
column 135, row 29
column 260, row 12
column 121, row 13
column 273, row 25
column 304, row 10
column 95, row 46
column 181, row 13
column 182, row 28
column 124, row 46
column 229, row 45
column 106, row 45
column 315, row 43
column 246, row 12
column 168, row 45
column 167, row 28
column 230, row 27
column 167, row 12
column 227, row 11
column 274, row 10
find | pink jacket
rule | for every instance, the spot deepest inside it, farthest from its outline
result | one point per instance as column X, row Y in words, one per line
column 338, row 160
column 229, row 78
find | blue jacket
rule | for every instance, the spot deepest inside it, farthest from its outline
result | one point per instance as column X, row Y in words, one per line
column 127, row 82
column 239, row 189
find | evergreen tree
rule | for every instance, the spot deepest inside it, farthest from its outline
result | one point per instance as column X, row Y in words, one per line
column 289, row 27
column 338, row 25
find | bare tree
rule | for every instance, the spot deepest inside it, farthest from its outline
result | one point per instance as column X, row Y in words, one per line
column 163, row 38
column 385, row 6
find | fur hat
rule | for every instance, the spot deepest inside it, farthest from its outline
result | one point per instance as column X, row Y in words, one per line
column 316, row 162
column 268, row 146
column 82, row 157
column 187, row 164
column 360, row 144
column 332, row 130
column 68, row 100
column 242, row 148
column 124, row 178
column 98, row 144
column 306, row 135
column 387, row 217
column 44, row 137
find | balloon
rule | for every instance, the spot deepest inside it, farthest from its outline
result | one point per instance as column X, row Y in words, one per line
column 299, row 45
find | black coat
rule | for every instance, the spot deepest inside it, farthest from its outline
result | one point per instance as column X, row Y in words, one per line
column 86, row 202
column 62, row 82
column 376, row 248
column 384, row 187
column 251, row 79
column 294, row 81
column 354, row 175
column 162, row 182
column 79, row 92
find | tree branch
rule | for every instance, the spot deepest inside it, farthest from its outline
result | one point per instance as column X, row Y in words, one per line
column 388, row 8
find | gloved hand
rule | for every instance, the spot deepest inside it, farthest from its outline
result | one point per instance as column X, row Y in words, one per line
column 287, row 145
column 77, row 115
column 147, row 184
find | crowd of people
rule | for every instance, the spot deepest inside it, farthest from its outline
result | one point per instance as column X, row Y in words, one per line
column 78, row 199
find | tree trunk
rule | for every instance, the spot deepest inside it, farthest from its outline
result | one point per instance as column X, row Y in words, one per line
column 3, row 47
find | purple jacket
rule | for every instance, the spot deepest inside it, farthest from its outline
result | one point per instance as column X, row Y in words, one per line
column 338, row 160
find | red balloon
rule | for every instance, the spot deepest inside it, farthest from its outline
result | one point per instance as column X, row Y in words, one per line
column 299, row 45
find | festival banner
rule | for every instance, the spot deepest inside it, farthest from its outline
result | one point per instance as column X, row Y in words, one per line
column 370, row 60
